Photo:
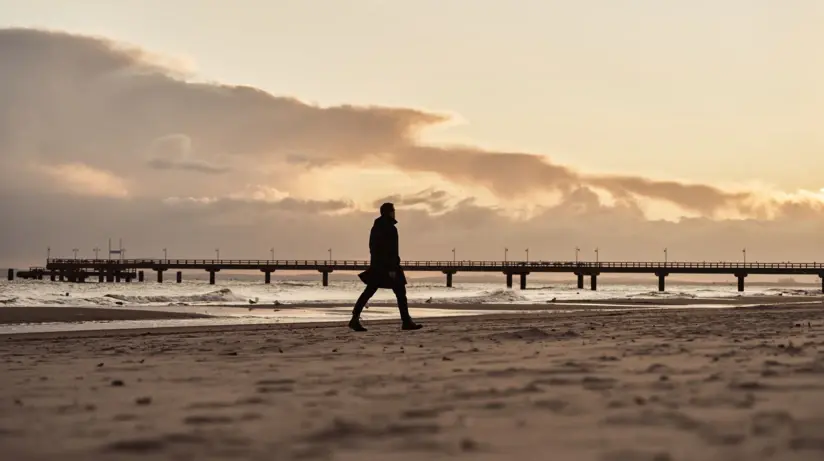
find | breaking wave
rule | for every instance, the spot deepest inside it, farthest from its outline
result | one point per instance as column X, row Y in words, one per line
column 500, row 296
column 224, row 295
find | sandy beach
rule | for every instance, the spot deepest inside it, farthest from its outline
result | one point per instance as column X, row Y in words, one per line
column 686, row 384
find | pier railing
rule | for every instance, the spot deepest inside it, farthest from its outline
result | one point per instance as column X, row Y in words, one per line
column 254, row 263
column 129, row 269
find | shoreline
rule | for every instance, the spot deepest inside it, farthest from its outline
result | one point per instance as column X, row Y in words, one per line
column 33, row 316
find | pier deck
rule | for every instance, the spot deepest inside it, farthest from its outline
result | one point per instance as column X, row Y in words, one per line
column 130, row 269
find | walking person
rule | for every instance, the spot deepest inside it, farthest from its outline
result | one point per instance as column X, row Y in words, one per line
column 384, row 269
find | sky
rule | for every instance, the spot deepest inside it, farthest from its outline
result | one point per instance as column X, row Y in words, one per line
column 627, row 125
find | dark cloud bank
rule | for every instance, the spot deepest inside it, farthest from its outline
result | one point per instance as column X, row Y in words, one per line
column 76, row 100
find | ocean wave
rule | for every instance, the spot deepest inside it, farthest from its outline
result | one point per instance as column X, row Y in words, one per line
column 223, row 295
column 791, row 292
column 663, row 294
column 500, row 296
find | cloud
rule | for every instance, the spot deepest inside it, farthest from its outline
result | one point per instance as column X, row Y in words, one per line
column 100, row 140
column 70, row 98
column 433, row 200
column 175, row 152
column 247, row 229
column 84, row 180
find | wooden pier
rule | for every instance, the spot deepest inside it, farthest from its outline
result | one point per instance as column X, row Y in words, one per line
column 127, row 270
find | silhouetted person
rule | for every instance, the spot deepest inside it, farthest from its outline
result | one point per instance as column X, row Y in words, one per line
column 384, row 269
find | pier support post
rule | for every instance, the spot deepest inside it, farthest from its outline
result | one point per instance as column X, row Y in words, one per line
column 62, row 277
column 580, row 281
column 140, row 276
column 267, row 277
column 661, row 280
column 52, row 276
column 100, row 276
column 11, row 275
column 325, row 278
column 179, row 276
column 128, row 277
column 159, row 275
column 740, row 278
column 593, row 282
column 110, row 277
column 212, row 276
column 523, row 280
column 822, row 281
column 449, row 279
column 509, row 280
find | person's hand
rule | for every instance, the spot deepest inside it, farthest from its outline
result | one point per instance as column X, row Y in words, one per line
column 391, row 274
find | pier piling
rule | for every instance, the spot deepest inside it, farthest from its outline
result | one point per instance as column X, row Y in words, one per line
column 523, row 280
column 179, row 277
column 661, row 281
column 741, row 278
column 11, row 275
column 140, row 276
column 580, row 281
column 449, row 279
column 325, row 278
column 593, row 282
column 267, row 277
column 509, row 280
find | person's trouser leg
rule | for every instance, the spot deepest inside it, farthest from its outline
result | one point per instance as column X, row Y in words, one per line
column 368, row 292
column 403, row 305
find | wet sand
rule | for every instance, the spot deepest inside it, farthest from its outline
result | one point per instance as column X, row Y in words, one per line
column 43, row 314
column 676, row 384
column 15, row 315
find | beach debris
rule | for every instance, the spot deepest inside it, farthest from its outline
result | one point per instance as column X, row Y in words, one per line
column 143, row 401
column 254, row 301
column 468, row 444
column 117, row 383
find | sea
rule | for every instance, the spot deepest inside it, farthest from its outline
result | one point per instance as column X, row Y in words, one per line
column 233, row 301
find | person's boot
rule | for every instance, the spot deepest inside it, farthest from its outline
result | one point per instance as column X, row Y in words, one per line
column 355, row 325
column 410, row 325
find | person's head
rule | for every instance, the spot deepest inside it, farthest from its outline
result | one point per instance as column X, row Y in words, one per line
column 388, row 209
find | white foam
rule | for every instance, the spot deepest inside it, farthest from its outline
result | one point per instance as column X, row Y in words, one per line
column 200, row 293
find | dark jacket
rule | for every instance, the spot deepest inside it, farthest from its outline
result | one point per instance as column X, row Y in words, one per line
column 385, row 257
